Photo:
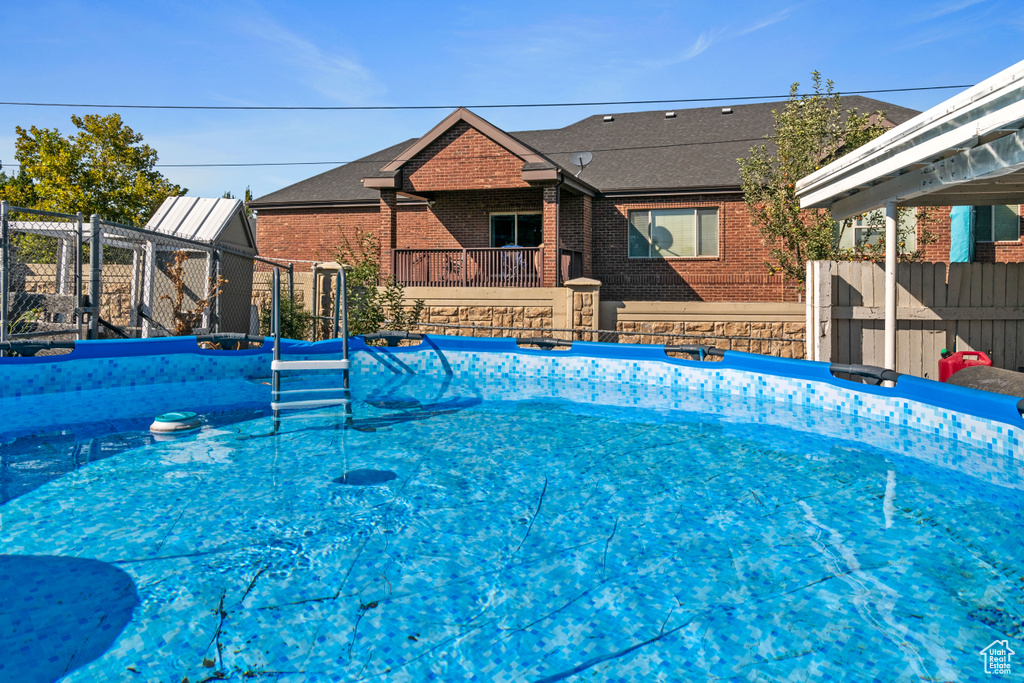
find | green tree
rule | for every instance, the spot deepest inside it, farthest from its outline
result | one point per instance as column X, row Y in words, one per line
column 248, row 198
column 811, row 131
column 104, row 169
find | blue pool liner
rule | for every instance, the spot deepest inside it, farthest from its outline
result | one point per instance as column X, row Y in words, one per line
column 95, row 365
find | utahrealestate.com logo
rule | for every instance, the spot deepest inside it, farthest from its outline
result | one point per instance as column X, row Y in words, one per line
column 997, row 657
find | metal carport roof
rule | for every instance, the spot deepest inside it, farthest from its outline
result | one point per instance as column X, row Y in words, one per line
column 969, row 150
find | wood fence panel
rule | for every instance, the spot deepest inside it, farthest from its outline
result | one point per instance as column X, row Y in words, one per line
column 843, row 330
column 878, row 328
column 1013, row 328
column 965, row 306
column 998, row 327
column 917, row 331
column 983, row 342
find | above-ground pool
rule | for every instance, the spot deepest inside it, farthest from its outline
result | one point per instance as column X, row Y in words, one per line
column 488, row 512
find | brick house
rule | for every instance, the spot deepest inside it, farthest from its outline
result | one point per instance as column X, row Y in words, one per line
column 655, row 215
column 646, row 235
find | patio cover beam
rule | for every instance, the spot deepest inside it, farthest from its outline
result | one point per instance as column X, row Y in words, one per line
column 967, row 150
column 964, row 174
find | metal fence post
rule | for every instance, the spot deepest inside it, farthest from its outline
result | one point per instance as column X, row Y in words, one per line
column 291, row 282
column 95, row 270
column 215, row 315
column 79, row 230
column 5, row 269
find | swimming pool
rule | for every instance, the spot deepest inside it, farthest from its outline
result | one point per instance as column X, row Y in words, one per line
column 605, row 513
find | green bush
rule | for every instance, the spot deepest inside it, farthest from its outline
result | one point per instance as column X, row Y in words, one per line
column 372, row 308
column 296, row 322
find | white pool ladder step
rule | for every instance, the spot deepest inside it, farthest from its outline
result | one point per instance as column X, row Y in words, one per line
column 313, row 403
column 335, row 364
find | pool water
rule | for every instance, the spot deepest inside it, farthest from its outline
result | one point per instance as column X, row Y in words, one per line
column 518, row 540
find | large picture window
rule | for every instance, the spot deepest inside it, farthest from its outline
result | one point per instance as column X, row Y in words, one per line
column 673, row 233
column 997, row 223
column 517, row 229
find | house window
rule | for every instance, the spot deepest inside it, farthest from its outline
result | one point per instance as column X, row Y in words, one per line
column 999, row 223
column 517, row 229
column 673, row 233
column 868, row 230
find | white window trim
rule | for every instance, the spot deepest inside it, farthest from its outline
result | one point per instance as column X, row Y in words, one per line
column 699, row 257
column 517, row 214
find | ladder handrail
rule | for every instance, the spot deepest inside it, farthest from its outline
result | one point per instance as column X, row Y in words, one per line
column 276, row 367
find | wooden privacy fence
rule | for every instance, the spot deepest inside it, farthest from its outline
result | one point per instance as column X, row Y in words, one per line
column 960, row 307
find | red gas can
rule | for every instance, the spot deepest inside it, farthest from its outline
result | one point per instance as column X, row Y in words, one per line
column 960, row 360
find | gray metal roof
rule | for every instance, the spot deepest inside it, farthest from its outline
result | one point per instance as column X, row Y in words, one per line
column 202, row 219
column 643, row 151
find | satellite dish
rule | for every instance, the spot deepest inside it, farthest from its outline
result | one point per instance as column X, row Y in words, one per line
column 581, row 159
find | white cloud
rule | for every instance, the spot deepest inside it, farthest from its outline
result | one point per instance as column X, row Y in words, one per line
column 709, row 37
column 340, row 78
column 949, row 8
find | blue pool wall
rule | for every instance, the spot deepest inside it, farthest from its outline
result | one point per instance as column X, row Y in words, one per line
column 107, row 376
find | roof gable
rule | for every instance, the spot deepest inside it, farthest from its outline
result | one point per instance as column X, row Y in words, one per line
column 488, row 129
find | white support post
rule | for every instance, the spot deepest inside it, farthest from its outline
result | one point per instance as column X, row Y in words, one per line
column 148, row 271
column 133, row 297
column 823, row 272
column 207, row 290
column 65, row 264
column 891, row 251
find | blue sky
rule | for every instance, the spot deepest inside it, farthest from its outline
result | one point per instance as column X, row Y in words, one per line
column 452, row 53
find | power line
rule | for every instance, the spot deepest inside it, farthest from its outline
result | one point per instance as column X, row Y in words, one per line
column 380, row 162
column 449, row 106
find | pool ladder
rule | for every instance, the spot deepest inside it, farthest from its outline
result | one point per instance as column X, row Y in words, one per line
column 277, row 366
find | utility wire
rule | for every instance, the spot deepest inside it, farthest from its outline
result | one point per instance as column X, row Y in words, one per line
column 449, row 106
column 379, row 162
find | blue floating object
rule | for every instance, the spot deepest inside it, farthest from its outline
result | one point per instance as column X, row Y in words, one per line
column 175, row 422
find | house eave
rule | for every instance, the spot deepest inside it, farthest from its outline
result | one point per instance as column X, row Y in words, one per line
column 670, row 191
column 334, row 204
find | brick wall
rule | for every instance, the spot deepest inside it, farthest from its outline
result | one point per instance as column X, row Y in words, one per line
column 938, row 224
column 738, row 273
column 461, row 220
column 312, row 234
column 463, row 158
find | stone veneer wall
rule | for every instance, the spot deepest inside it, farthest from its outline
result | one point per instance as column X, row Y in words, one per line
column 532, row 317
column 721, row 334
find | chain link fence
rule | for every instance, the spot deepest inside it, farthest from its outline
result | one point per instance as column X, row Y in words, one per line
column 66, row 277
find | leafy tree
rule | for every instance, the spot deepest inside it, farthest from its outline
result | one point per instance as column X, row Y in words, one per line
column 248, row 198
column 811, row 131
column 104, row 169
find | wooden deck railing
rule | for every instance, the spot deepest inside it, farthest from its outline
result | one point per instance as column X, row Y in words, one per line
column 502, row 267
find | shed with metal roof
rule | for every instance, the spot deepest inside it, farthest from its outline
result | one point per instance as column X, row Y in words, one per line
column 223, row 224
